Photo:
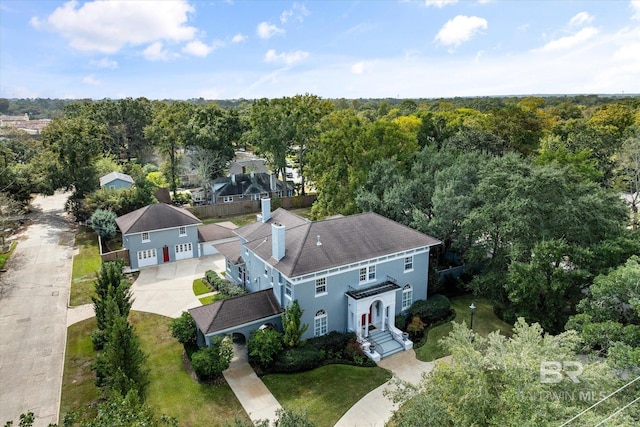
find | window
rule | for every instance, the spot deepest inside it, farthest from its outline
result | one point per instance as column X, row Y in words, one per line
column 320, row 323
column 407, row 297
column 287, row 289
column 266, row 271
column 227, row 199
column 255, row 197
column 183, row 247
column 149, row 253
column 145, row 237
column 183, row 231
column 408, row 263
column 367, row 274
column 321, row 286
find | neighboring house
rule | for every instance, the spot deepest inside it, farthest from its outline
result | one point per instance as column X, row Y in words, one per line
column 116, row 181
column 252, row 186
column 353, row 273
column 159, row 233
column 198, row 195
column 247, row 166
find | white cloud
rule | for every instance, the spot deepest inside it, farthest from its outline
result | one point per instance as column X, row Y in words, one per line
column 266, row 30
column 285, row 58
column 197, row 48
column 104, row 63
column 297, row 13
column 580, row 19
column 570, row 41
column 361, row 67
column 635, row 6
column 108, row 26
column 91, row 80
column 155, row 52
column 439, row 3
column 239, row 38
column 460, row 29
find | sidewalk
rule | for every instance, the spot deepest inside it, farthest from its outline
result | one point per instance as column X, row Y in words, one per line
column 375, row 409
column 254, row 396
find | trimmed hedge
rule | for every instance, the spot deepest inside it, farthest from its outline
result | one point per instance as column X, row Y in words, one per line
column 435, row 308
column 297, row 359
column 223, row 286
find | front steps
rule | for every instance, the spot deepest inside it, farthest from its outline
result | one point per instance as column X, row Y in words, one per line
column 383, row 343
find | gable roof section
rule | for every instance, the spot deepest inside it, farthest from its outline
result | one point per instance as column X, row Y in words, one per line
column 104, row 180
column 158, row 216
column 236, row 311
column 216, row 231
column 261, row 229
column 343, row 241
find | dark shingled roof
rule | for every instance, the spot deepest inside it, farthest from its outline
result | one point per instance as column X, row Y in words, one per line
column 247, row 184
column 373, row 290
column 216, row 231
column 258, row 229
column 343, row 241
column 158, row 216
column 236, row 311
column 231, row 251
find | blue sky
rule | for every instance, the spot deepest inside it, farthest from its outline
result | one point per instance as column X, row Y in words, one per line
column 351, row 49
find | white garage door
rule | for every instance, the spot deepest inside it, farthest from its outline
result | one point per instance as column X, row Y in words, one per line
column 184, row 251
column 147, row 257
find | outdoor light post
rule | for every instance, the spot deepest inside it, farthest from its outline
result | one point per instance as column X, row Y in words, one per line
column 472, row 307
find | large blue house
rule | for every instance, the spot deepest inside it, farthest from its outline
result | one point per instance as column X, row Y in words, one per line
column 353, row 273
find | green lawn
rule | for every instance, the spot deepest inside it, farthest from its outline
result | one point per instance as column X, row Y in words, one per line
column 85, row 265
column 171, row 390
column 326, row 393
column 200, row 287
column 484, row 322
column 4, row 256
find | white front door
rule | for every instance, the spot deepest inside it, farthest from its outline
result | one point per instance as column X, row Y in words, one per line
column 184, row 251
column 147, row 257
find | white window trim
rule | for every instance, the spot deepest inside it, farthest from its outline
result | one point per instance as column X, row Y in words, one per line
column 320, row 323
column 148, row 239
column 288, row 286
column 369, row 269
column 180, row 233
column 227, row 199
column 407, row 270
column 407, row 290
column 324, row 284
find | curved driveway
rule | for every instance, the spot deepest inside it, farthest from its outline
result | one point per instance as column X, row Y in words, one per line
column 33, row 314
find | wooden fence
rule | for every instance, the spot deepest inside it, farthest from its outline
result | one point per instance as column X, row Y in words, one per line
column 122, row 254
column 222, row 210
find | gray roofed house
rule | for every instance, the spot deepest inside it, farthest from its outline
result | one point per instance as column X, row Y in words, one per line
column 241, row 314
column 353, row 273
column 116, row 181
column 211, row 236
column 159, row 233
column 247, row 166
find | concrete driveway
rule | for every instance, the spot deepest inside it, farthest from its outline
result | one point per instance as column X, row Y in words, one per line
column 167, row 288
column 33, row 313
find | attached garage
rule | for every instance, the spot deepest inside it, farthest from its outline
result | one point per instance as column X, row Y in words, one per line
column 184, row 251
column 211, row 235
column 147, row 257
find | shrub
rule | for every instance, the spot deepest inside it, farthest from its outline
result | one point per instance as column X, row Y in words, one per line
column 416, row 328
column 401, row 321
column 297, row 359
column 223, row 286
column 263, row 346
column 332, row 344
column 184, row 329
column 208, row 363
column 435, row 308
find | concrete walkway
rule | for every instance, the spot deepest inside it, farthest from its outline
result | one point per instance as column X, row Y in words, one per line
column 375, row 409
column 254, row 396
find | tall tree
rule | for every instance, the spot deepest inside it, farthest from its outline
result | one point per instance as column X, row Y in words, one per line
column 169, row 131
column 292, row 324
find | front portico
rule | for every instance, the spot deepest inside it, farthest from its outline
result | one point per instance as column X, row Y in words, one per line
column 371, row 315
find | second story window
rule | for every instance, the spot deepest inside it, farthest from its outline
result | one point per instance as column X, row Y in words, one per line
column 183, row 231
column 287, row 289
column 408, row 263
column 321, row 286
column 367, row 274
column 145, row 237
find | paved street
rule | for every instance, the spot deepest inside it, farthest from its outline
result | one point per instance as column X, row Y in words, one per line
column 33, row 314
